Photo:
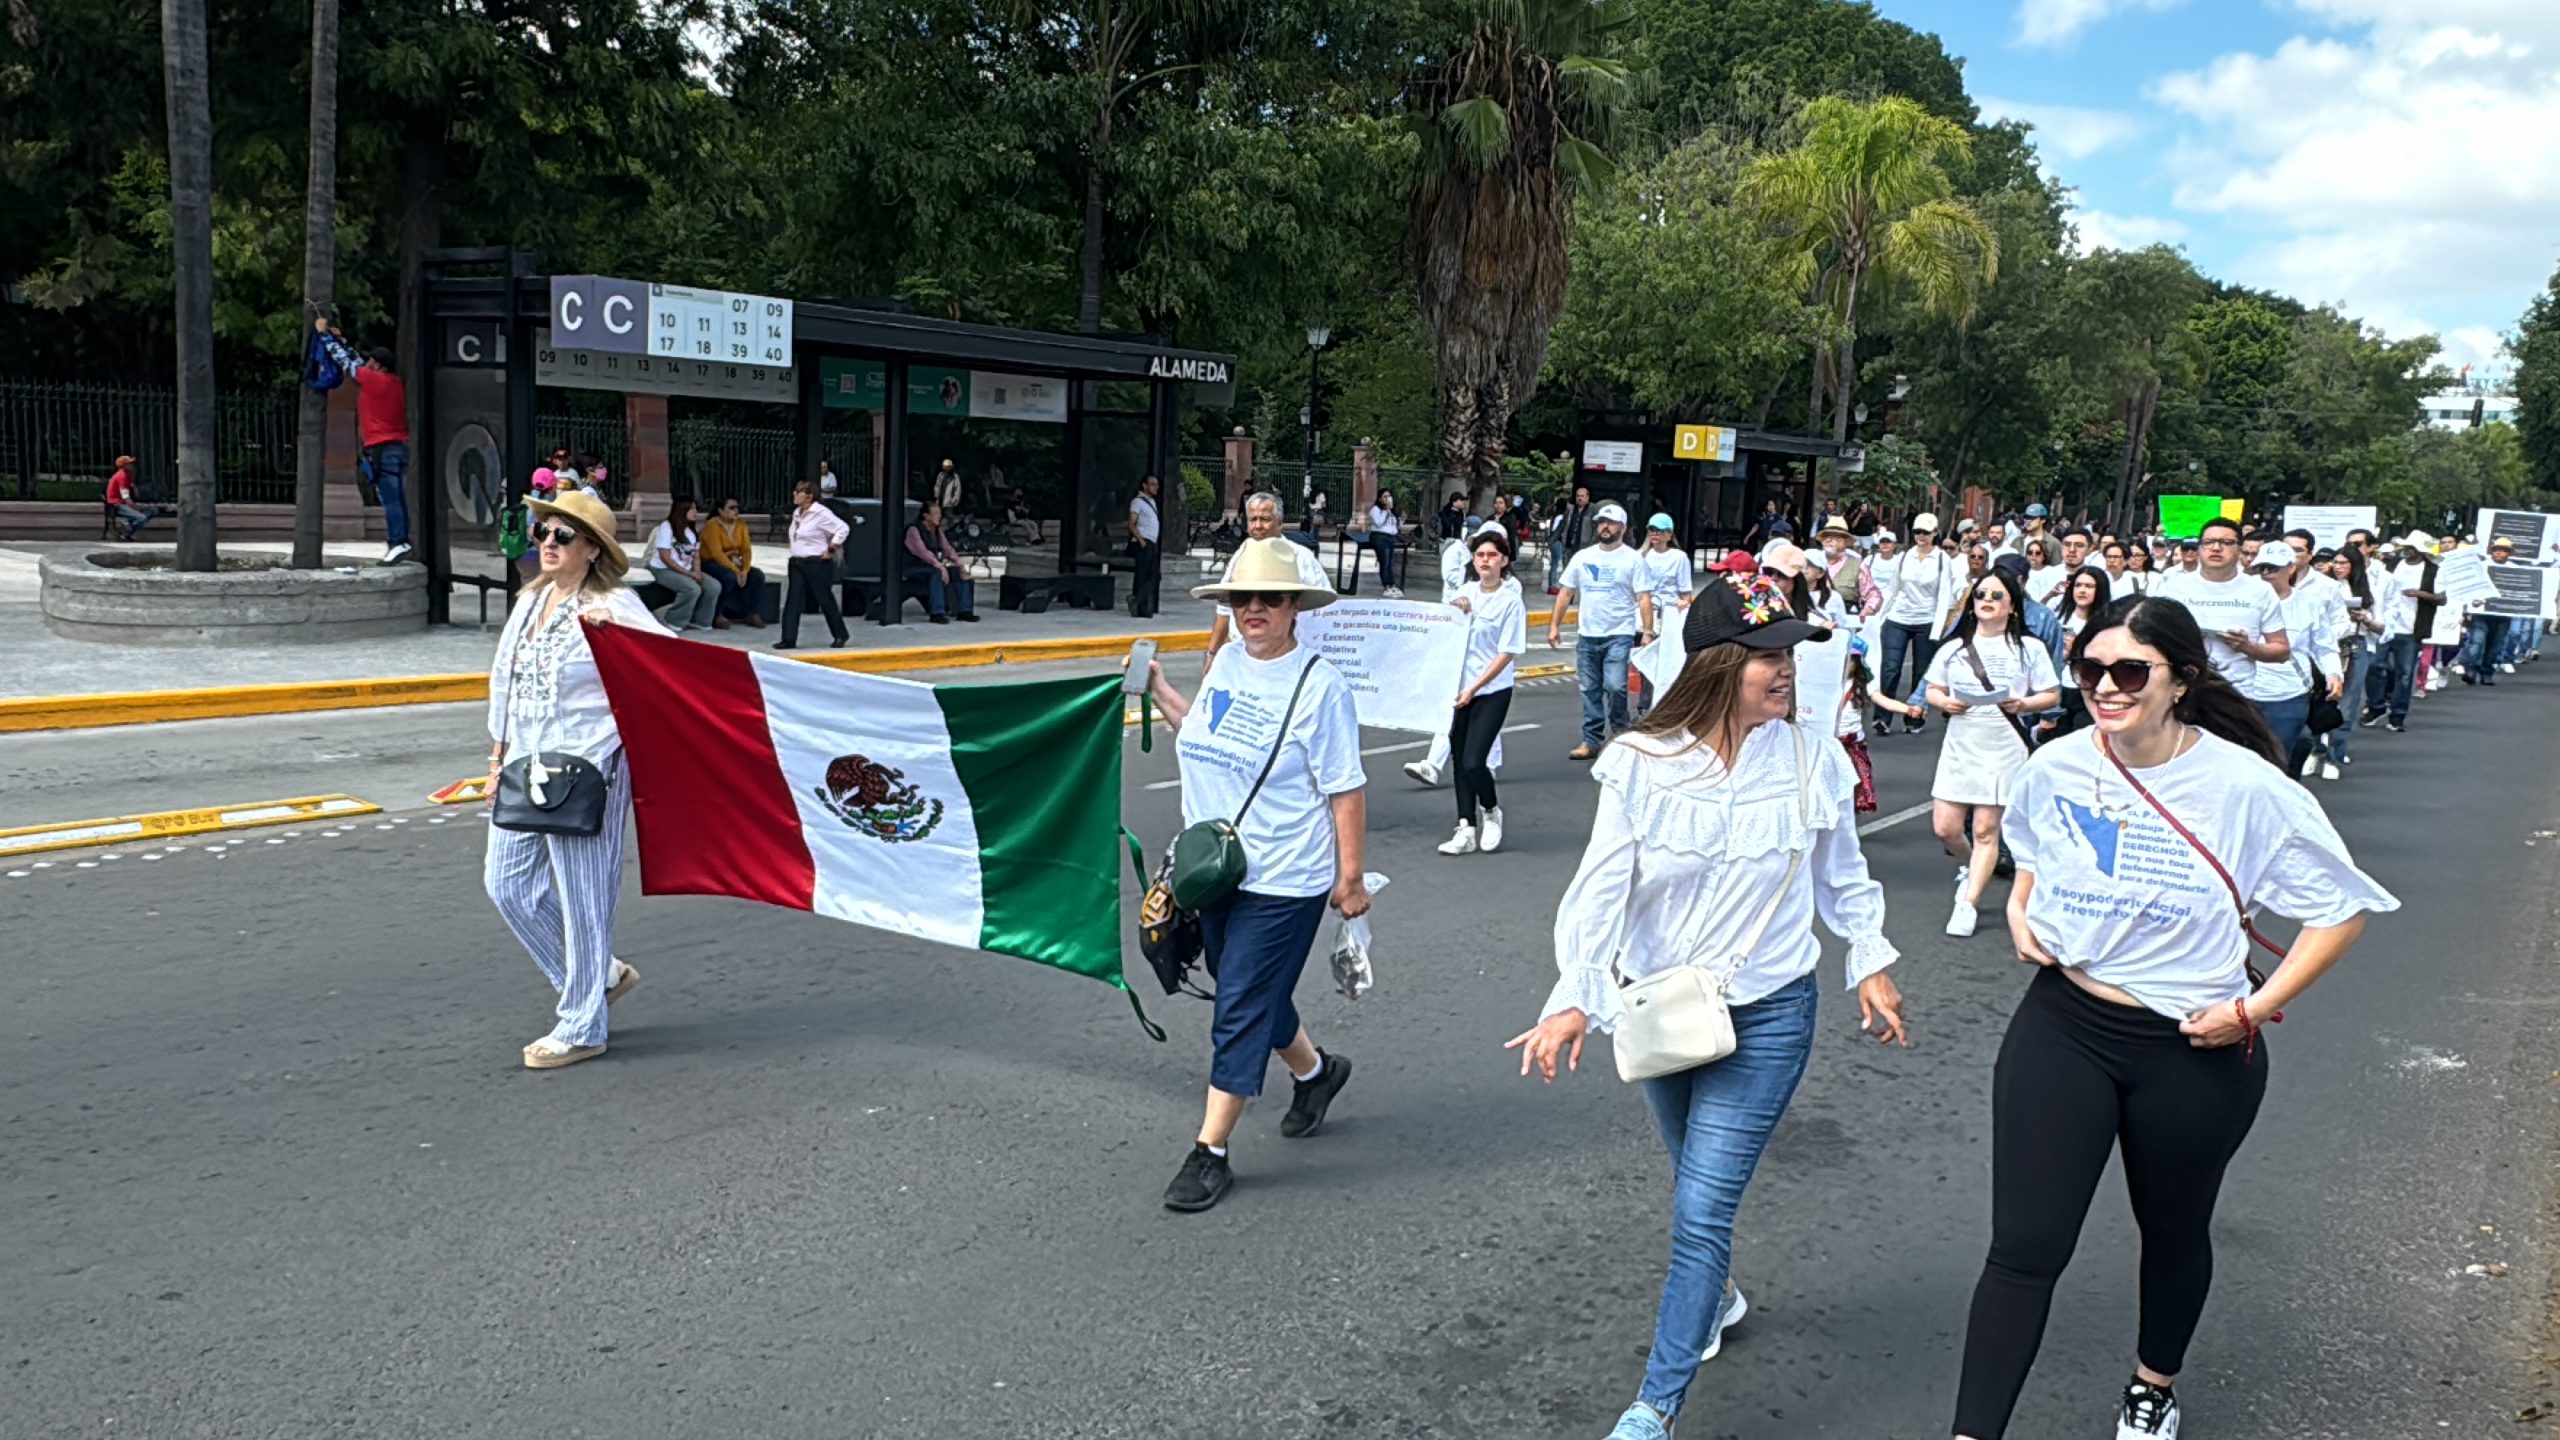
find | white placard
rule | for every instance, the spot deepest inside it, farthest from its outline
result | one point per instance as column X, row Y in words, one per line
column 2536, row 538
column 2329, row 524
column 2462, row 578
column 995, row 395
column 656, row 375
column 1401, row 657
column 1822, row 682
column 1618, row 457
column 1660, row 662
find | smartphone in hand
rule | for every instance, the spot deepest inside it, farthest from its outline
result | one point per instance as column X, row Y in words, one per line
column 1142, row 659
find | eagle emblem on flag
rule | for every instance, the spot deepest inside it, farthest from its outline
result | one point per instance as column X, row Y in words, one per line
column 878, row 801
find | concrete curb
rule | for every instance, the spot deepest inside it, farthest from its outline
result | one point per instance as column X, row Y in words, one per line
column 173, row 824
column 153, row 707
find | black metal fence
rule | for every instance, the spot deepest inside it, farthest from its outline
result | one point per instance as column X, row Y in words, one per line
column 60, row 441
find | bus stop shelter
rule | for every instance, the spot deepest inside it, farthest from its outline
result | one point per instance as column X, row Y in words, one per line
column 498, row 331
column 1711, row 479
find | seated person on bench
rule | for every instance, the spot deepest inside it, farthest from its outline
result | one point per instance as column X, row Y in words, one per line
column 932, row 563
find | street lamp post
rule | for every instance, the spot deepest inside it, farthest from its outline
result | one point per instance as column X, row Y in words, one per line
column 1318, row 333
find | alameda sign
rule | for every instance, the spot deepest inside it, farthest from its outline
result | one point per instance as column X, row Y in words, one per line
column 1182, row 367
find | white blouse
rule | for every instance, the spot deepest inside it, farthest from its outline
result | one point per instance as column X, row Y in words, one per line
column 544, row 692
column 1683, row 856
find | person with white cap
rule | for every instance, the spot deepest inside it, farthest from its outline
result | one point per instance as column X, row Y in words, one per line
column 557, row 892
column 1604, row 579
column 1273, row 748
column 1922, row 588
column 2282, row 689
column 1725, row 830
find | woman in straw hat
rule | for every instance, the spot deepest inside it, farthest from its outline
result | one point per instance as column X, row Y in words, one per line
column 1724, row 831
column 557, row 891
column 1268, row 705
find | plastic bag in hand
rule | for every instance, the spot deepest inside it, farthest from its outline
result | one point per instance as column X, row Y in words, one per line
column 1351, row 972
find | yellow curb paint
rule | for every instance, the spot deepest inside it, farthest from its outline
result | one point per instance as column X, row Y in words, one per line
column 462, row 792
column 174, row 824
column 154, row 707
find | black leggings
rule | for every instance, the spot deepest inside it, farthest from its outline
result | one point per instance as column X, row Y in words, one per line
column 1472, row 731
column 2077, row 1075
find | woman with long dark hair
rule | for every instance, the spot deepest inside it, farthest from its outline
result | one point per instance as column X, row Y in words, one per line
column 2081, row 606
column 1497, row 636
column 2141, row 843
column 1724, row 830
column 2009, row 673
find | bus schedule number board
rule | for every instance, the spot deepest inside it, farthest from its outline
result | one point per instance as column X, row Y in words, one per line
column 673, row 322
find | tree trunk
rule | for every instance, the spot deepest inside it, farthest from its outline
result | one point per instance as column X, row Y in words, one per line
column 319, row 280
column 2137, row 439
column 1089, row 269
column 190, row 112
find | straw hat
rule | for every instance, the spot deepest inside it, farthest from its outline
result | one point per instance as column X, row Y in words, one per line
column 595, row 518
column 1263, row 566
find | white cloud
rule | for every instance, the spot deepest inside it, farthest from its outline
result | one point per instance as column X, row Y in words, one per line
column 2059, row 22
column 2100, row 230
column 2067, row 132
column 2406, row 165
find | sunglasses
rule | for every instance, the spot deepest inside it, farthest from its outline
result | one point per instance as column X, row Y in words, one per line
column 2129, row 675
column 556, row 534
column 1260, row 599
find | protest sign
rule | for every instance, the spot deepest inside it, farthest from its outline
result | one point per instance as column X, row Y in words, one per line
column 1659, row 663
column 2524, row 590
column 2462, row 578
column 2182, row 517
column 1401, row 658
column 2536, row 538
column 1822, row 682
column 2329, row 524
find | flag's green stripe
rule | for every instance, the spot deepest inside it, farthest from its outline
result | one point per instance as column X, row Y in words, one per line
column 1041, row 763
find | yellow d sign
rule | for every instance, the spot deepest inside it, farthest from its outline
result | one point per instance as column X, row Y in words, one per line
column 1696, row 442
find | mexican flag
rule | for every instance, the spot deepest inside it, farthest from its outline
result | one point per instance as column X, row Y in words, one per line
column 985, row 816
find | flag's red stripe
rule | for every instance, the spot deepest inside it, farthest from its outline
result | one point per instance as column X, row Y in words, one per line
column 716, row 816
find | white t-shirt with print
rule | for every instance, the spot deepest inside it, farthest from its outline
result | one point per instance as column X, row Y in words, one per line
column 1918, row 587
column 1604, row 581
column 2045, row 586
column 1667, row 576
column 1229, row 734
column 2021, row 669
column 2120, row 895
column 686, row 547
column 1497, row 624
column 2244, row 603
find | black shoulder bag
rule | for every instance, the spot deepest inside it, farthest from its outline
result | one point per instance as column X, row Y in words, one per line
column 1973, row 658
column 549, row 793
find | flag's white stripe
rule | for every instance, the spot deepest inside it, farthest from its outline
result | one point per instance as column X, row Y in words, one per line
column 931, row 887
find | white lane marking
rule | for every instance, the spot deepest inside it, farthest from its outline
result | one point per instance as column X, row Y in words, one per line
column 1372, row 750
column 1887, row 822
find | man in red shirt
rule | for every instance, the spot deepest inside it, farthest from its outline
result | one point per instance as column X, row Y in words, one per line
column 120, row 495
column 382, row 425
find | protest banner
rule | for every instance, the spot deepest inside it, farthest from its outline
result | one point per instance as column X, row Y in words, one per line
column 2536, row 539
column 2182, row 517
column 2462, row 578
column 2329, row 524
column 2525, row 590
column 1401, row 658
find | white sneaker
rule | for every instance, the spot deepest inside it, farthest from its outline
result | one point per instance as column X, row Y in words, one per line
column 1391, row 593
column 1421, row 772
column 1489, row 830
column 1962, row 919
column 1461, row 843
column 2328, row 770
column 1734, row 1309
column 2146, row 1413
column 2310, row 763
column 394, row 554
column 2506, row 667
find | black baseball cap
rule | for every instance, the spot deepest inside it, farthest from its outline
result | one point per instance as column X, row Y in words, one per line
column 1746, row 610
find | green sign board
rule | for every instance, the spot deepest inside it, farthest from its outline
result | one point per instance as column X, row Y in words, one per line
column 2182, row 517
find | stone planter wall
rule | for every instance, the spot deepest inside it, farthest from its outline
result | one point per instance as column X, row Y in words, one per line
column 115, row 596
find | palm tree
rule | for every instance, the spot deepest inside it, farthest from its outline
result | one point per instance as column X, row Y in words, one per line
column 1521, row 116
column 319, row 278
column 182, row 44
column 1866, row 196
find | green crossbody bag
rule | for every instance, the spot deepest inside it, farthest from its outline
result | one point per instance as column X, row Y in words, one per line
column 1208, row 858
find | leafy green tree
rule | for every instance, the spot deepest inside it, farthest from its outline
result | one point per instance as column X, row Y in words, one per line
column 2130, row 342
column 1715, row 53
column 1867, row 199
column 2536, row 345
column 1521, row 113
column 1897, row 475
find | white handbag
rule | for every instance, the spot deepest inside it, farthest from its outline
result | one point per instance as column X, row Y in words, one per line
column 1677, row 1019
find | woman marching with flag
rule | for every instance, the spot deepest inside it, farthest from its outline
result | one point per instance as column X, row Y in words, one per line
column 1271, row 746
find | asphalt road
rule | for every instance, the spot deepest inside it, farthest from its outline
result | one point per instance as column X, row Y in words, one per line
column 269, row 1165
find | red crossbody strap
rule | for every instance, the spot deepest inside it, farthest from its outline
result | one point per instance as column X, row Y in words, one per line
column 2237, row 904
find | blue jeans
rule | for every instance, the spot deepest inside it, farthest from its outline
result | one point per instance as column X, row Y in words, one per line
column 391, row 481
column 2483, row 637
column 740, row 595
column 1257, row 947
column 1384, row 546
column 1898, row 638
column 2398, row 665
column 1715, row 1120
column 1600, row 669
column 2291, row 720
column 938, row 596
column 2359, row 671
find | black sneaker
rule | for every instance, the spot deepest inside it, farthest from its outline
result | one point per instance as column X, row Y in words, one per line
column 1308, row 1104
column 1913, row 726
column 1204, row 1177
column 2147, row 1412
column 2398, row 726
column 2372, row 718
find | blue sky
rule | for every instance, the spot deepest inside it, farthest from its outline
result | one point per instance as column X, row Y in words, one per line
column 2400, row 158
